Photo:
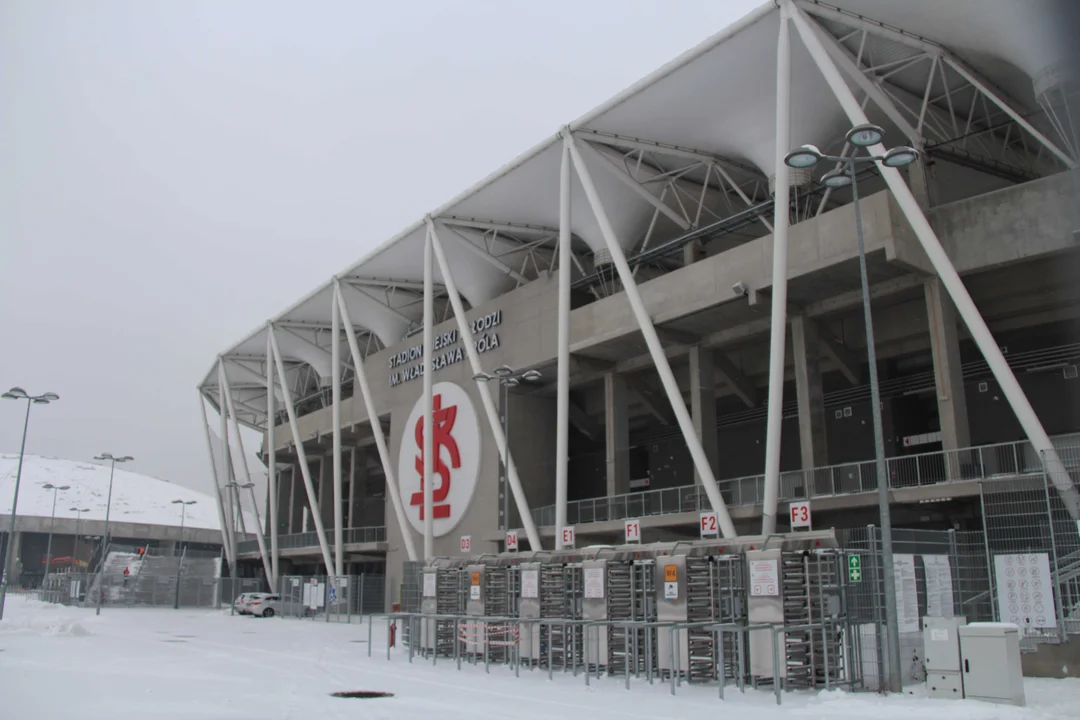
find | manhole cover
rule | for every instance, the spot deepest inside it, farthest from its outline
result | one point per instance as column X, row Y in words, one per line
column 185, row 636
column 362, row 694
column 174, row 641
column 359, row 641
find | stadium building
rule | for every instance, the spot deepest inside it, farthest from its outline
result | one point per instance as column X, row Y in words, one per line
column 678, row 317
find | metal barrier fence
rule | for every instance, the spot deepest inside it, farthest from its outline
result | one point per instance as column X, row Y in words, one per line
column 317, row 598
column 936, row 468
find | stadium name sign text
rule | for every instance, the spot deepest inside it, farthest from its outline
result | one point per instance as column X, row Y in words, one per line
column 409, row 364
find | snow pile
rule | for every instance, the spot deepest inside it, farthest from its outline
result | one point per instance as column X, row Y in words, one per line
column 43, row 619
column 136, row 498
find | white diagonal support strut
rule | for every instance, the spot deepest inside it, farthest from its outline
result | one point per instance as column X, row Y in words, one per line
column 562, row 410
column 656, row 350
column 376, row 427
column 225, row 540
column 488, row 402
column 301, row 456
column 980, row 333
column 271, row 459
column 778, row 330
column 226, row 461
column 247, row 478
column 335, row 413
column 427, row 482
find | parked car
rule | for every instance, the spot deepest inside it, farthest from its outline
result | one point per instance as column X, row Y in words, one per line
column 241, row 602
column 264, row 604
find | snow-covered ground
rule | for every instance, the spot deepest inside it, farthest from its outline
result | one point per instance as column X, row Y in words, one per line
column 58, row 662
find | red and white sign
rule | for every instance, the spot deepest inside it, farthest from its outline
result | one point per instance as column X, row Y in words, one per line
column 568, row 536
column 800, row 515
column 632, row 529
column 511, row 540
column 466, row 543
column 709, row 525
column 764, row 578
column 456, row 466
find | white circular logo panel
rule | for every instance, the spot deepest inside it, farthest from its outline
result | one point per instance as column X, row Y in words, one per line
column 456, row 466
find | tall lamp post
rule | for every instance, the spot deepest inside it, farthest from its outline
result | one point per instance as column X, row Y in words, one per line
column 78, row 535
column 843, row 175
column 108, row 508
column 17, row 393
column 179, row 566
column 507, row 378
column 56, row 489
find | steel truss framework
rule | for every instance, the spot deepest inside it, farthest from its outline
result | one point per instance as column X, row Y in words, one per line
column 490, row 240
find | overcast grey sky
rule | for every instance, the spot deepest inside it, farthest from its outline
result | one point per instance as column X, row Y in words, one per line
column 173, row 173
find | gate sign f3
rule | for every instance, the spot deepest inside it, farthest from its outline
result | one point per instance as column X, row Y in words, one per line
column 800, row 515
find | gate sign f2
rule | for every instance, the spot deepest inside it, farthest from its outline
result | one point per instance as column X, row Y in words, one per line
column 709, row 525
column 456, row 461
column 800, row 515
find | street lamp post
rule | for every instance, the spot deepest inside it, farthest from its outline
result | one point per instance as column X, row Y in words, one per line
column 179, row 566
column 844, row 175
column 78, row 534
column 52, row 521
column 108, row 508
column 17, row 393
column 507, row 378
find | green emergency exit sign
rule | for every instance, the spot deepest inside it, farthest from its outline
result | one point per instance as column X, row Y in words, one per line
column 854, row 568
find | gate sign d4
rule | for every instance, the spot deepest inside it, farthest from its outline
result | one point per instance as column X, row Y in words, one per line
column 511, row 541
column 632, row 530
column 800, row 515
column 709, row 525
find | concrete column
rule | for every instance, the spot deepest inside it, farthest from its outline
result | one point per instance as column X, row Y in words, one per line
column 693, row 252
column 703, row 404
column 350, row 512
column 948, row 373
column 616, row 435
column 297, row 499
column 805, row 349
column 920, row 179
column 326, row 493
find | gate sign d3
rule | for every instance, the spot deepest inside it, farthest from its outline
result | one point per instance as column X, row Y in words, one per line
column 800, row 515
column 466, row 544
column 709, row 525
column 632, row 529
column 568, row 536
column 511, row 540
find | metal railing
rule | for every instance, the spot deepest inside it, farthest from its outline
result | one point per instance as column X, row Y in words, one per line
column 311, row 539
column 934, row 468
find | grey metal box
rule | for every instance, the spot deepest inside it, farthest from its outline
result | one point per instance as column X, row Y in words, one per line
column 941, row 655
column 990, row 653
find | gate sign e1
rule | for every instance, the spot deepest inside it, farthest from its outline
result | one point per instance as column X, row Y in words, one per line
column 800, row 515
column 466, row 544
column 568, row 536
column 632, row 530
column 511, row 540
column 854, row 568
column 709, row 525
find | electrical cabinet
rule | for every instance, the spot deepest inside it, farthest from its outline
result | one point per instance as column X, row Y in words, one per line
column 941, row 654
column 990, row 654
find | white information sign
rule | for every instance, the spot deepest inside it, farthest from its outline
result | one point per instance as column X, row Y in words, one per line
column 307, row 596
column 530, row 583
column 632, row 530
column 594, row 582
column 907, row 593
column 429, row 584
column 474, row 592
column 466, row 544
column 671, row 591
column 512, row 540
column 800, row 515
column 296, row 582
column 1025, row 590
column 568, row 536
column 709, row 525
column 939, row 587
column 764, row 578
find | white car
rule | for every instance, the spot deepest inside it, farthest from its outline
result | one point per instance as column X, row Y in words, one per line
column 264, row 604
column 241, row 603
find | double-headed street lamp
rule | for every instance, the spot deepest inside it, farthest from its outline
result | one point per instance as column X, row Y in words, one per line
column 78, row 535
column 507, row 378
column 183, row 512
column 52, row 521
column 17, row 393
column 108, row 507
column 862, row 137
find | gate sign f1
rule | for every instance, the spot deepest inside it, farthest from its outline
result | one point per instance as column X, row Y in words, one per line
column 633, row 531
column 800, row 515
column 709, row 525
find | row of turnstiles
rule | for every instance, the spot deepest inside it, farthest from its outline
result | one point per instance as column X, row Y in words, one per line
column 633, row 603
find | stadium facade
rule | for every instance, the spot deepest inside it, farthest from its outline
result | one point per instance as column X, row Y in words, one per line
column 693, row 308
